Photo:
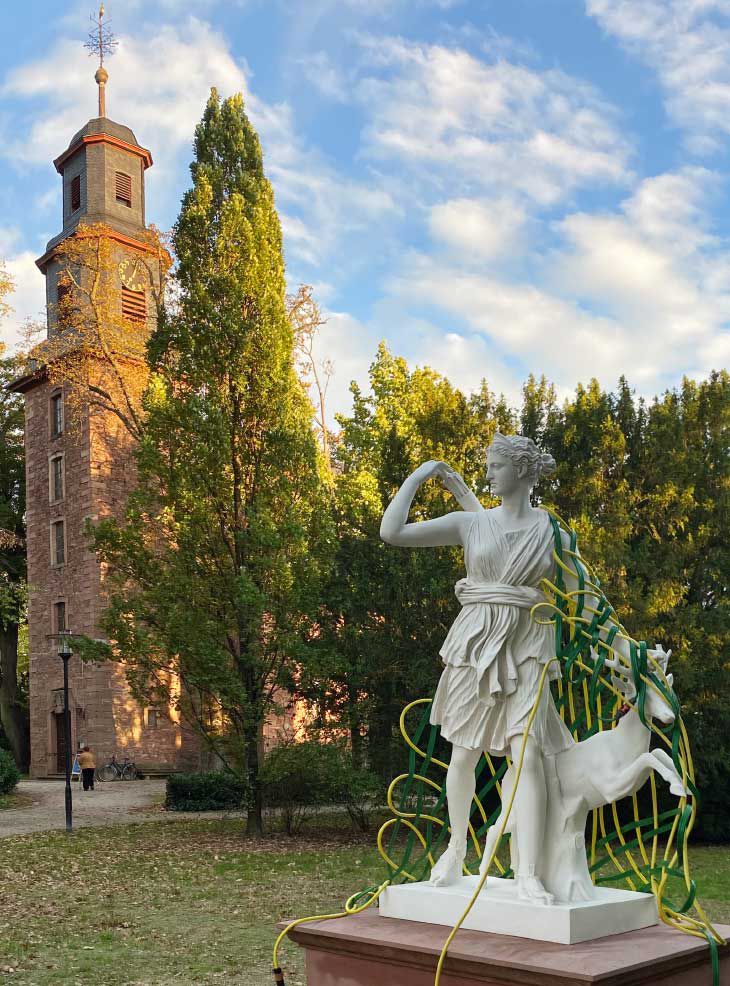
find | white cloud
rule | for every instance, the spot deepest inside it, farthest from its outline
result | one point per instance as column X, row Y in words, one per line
column 48, row 200
column 465, row 358
column 534, row 330
column 330, row 206
column 653, row 267
column 316, row 10
column 479, row 229
column 643, row 291
column 351, row 346
column 159, row 81
column 687, row 43
column 9, row 239
column 326, row 77
column 27, row 300
column 466, row 122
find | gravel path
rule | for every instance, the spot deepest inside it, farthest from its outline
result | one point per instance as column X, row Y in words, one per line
column 111, row 803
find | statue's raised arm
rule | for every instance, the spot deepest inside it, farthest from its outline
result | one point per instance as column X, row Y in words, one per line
column 449, row 529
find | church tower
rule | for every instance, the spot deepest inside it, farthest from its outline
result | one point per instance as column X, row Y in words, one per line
column 85, row 472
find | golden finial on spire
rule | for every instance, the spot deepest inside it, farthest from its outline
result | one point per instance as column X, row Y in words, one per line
column 101, row 42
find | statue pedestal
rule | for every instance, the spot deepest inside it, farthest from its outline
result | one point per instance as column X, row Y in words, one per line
column 498, row 910
column 370, row 950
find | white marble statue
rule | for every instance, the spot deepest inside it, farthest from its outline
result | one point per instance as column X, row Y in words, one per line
column 494, row 656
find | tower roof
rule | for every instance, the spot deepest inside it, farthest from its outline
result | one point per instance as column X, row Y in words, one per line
column 103, row 125
column 103, row 129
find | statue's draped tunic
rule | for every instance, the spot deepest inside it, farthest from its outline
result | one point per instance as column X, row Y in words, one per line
column 495, row 652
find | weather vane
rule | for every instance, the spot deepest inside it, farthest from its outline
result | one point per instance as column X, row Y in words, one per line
column 101, row 42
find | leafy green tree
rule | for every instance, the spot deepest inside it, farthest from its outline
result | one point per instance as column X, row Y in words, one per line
column 215, row 569
column 682, row 567
column 646, row 486
column 13, row 590
column 385, row 611
column 592, row 488
column 647, row 489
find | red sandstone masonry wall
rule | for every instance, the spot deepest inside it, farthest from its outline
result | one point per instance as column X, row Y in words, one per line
column 99, row 473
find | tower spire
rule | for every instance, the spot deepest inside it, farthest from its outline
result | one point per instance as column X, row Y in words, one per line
column 101, row 42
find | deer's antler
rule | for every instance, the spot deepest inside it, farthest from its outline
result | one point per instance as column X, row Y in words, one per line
column 615, row 662
column 621, row 676
column 661, row 656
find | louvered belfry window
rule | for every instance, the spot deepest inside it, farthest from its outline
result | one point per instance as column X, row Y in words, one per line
column 75, row 193
column 63, row 293
column 124, row 189
column 134, row 305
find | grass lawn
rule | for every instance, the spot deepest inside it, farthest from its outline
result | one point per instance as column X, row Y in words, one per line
column 190, row 902
column 166, row 902
column 15, row 801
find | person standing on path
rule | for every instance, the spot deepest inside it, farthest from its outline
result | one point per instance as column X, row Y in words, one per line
column 88, row 767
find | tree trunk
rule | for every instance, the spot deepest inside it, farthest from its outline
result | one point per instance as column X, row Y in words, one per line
column 255, row 818
column 355, row 721
column 382, row 744
column 13, row 715
column 357, row 745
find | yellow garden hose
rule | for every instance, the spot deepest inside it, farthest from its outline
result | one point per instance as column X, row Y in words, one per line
column 349, row 909
column 571, row 610
column 483, row 879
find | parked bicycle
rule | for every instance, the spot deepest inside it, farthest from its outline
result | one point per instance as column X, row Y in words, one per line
column 115, row 770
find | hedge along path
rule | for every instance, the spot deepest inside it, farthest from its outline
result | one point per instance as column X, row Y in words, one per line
column 647, row 853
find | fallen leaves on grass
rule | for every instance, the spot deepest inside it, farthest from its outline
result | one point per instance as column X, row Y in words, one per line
column 166, row 901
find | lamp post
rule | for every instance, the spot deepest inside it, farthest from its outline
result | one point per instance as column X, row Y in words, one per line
column 65, row 653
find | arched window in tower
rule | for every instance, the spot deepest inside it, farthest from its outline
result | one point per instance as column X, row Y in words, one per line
column 58, row 543
column 59, row 616
column 56, row 485
column 124, row 189
column 56, row 414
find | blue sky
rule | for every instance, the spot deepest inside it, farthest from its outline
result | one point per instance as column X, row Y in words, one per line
column 494, row 187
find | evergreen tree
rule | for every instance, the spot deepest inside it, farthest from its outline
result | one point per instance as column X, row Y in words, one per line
column 214, row 569
column 682, row 564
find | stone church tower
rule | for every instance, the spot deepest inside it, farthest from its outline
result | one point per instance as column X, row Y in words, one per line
column 87, row 472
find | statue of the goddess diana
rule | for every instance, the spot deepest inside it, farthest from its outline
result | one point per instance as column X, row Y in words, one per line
column 495, row 652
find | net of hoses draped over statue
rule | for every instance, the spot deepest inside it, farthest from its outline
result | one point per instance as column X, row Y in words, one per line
column 638, row 843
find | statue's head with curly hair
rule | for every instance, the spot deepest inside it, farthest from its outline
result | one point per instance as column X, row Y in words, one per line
column 527, row 461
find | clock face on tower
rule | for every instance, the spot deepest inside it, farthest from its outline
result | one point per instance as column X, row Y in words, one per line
column 133, row 274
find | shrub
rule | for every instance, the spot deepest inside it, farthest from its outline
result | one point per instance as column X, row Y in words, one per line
column 708, row 730
column 362, row 793
column 298, row 777
column 9, row 773
column 212, row 791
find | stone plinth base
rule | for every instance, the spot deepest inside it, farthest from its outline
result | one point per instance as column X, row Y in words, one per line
column 370, row 950
column 498, row 910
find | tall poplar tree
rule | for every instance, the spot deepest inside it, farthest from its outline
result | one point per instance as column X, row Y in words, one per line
column 214, row 569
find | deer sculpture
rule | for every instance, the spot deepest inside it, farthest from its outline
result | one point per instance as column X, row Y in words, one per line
column 607, row 766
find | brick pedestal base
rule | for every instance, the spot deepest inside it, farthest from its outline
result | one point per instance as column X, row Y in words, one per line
column 368, row 950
